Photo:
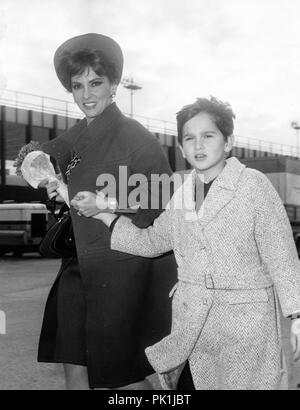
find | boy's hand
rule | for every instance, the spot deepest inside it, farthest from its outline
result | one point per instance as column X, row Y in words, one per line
column 295, row 338
column 86, row 203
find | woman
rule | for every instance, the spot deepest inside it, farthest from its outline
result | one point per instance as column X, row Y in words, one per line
column 235, row 254
column 97, row 320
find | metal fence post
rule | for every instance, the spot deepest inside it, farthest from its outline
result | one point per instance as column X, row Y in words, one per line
column 43, row 111
column 17, row 107
column 3, row 150
column 54, row 130
column 67, row 114
column 28, row 136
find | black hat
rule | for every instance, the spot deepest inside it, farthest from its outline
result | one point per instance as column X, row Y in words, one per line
column 110, row 50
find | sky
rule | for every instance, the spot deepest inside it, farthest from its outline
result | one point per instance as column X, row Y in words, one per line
column 246, row 52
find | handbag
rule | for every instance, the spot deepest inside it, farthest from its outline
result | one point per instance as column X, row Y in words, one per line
column 59, row 241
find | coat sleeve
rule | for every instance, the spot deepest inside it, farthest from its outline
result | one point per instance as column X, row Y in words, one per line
column 149, row 160
column 276, row 245
column 150, row 242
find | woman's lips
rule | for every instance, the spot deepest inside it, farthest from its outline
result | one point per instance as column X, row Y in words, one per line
column 89, row 106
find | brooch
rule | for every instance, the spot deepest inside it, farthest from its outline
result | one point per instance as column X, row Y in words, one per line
column 75, row 161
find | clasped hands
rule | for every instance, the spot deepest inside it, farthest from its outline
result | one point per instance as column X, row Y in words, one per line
column 89, row 204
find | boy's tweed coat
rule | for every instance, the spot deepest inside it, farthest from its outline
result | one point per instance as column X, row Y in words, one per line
column 232, row 261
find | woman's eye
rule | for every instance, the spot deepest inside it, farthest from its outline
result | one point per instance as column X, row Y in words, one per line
column 75, row 86
column 208, row 136
column 96, row 83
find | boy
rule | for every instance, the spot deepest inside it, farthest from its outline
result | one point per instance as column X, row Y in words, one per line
column 236, row 260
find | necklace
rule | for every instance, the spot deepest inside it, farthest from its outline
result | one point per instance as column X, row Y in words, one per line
column 73, row 164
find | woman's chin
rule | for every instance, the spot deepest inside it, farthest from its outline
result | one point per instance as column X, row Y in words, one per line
column 90, row 113
column 91, row 116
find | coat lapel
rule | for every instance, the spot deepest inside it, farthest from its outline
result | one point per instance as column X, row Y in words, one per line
column 90, row 134
column 221, row 192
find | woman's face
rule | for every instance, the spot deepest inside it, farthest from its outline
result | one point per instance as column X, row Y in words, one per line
column 92, row 93
column 204, row 146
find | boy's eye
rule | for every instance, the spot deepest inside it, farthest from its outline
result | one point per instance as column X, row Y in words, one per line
column 188, row 138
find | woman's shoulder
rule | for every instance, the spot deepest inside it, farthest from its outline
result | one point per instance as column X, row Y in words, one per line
column 133, row 132
column 71, row 133
column 64, row 141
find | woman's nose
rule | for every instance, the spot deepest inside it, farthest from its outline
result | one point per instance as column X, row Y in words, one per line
column 86, row 92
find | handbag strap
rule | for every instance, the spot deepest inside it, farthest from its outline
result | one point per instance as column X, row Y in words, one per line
column 51, row 205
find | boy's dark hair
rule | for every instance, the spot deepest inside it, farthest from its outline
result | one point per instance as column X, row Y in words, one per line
column 221, row 113
column 76, row 63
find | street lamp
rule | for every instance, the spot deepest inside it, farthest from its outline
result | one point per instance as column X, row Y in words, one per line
column 296, row 126
column 132, row 87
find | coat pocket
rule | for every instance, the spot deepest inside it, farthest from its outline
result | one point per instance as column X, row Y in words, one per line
column 248, row 296
column 173, row 291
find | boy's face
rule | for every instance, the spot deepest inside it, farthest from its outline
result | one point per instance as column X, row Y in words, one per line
column 203, row 144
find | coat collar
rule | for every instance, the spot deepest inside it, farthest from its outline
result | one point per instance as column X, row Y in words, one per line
column 229, row 177
column 109, row 116
column 220, row 194
column 222, row 191
column 83, row 135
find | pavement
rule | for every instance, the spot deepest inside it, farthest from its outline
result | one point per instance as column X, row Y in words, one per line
column 24, row 286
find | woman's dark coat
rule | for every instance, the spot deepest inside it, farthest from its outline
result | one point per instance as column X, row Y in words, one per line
column 128, row 307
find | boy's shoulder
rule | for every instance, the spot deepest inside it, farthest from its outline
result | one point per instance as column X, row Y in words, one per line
column 255, row 176
column 257, row 185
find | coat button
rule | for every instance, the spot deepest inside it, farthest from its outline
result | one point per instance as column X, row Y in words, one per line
column 209, row 281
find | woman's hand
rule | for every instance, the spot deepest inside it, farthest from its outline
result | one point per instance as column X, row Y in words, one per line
column 89, row 204
column 51, row 190
column 295, row 338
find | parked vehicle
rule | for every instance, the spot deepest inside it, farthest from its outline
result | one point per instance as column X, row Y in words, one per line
column 23, row 215
column 22, row 227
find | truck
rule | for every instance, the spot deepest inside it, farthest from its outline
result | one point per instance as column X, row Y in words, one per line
column 22, row 227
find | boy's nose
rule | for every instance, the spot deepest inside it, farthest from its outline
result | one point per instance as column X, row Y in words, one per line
column 199, row 142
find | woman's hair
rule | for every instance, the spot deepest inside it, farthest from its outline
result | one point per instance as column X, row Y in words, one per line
column 76, row 63
column 220, row 112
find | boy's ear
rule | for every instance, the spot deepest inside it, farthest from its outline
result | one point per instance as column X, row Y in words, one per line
column 229, row 144
column 182, row 151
